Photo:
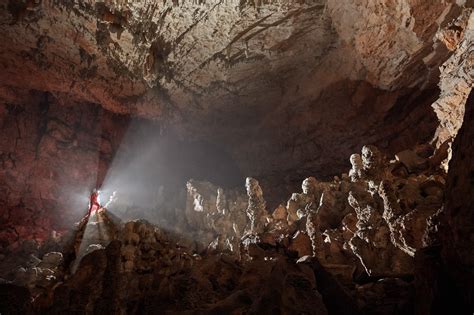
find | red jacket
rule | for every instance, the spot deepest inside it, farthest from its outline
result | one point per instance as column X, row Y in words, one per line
column 94, row 202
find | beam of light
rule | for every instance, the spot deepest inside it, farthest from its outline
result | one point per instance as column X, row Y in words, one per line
column 83, row 173
column 147, row 177
column 133, row 185
column 77, row 182
column 150, row 171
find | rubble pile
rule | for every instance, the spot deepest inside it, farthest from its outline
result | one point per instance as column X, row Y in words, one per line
column 33, row 267
column 146, row 248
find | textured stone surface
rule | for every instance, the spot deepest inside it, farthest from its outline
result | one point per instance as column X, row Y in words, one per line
column 366, row 231
column 457, row 75
column 52, row 155
column 288, row 90
column 269, row 81
column 376, row 223
column 185, row 48
column 164, row 277
column 459, row 233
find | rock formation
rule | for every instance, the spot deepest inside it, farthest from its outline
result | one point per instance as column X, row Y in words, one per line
column 457, row 74
column 169, row 106
column 158, row 60
column 457, row 242
column 256, row 211
column 374, row 228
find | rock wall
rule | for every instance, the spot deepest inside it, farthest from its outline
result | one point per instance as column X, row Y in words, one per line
column 457, row 244
column 353, row 239
column 52, row 155
column 457, row 75
column 276, row 84
column 289, row 90
column 186, row 50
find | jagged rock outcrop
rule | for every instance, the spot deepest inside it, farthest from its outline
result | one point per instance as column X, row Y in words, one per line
column 379, row 214
column 457, row 74
column 375, row 220
column 358, row 229
column 299, row 204
column 256, row 209
column 215, row 218
column 165, row 277
column 459, row 230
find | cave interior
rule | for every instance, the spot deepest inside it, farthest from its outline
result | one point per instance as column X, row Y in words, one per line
column 237, row 157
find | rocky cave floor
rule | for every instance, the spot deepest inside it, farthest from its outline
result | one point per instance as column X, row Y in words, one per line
column 355, row 245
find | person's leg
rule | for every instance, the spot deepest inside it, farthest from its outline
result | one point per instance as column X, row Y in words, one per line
column 87, row 216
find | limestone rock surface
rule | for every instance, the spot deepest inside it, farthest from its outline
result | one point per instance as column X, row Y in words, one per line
column 247, row 74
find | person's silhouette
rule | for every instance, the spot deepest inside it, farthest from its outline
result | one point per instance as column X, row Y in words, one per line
column 94, row 203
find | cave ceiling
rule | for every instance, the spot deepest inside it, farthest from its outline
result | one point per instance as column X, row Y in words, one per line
column 284, row 80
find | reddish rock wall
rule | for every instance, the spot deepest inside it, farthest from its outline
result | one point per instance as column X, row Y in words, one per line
column 51, row 157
